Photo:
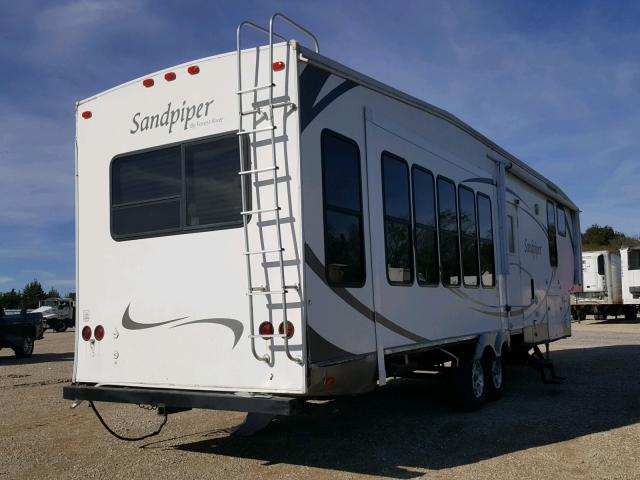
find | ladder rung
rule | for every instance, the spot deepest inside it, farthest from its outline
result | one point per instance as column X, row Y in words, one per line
column 262, row 210
column 283, row 104
column 274, row 335
column 265, row 129
column 255, row 89
column 251, row 112
column 258, row 170
column 267, row 292
column 258, row 252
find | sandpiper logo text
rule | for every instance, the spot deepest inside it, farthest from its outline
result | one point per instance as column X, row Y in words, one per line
column 180, row 116
column 530, row 247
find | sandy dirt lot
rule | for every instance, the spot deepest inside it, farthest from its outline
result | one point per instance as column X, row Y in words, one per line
column 589, row 427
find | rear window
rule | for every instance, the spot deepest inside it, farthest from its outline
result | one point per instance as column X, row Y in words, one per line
column 177, row 189
column 633, row 259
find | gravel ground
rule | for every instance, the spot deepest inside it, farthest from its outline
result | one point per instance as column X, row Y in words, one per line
column 588, row 427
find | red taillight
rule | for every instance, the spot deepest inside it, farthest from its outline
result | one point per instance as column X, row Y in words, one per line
column 193, row 70
column 148, row 82
column 265, row 328
column 277, row 66
column 290, row 329
column 86, row 114
column 169, row 76
column 86, row 333
column 328, row 381
column 99, row 332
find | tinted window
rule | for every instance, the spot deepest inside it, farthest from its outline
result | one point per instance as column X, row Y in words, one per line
column 426, row 235
column 173, row 189
column 562, row 221
column 212, row 182
column 485, row 234
column 633, row 259
column 448, row 233
column 468, row 236
column 551, row 232
column 397, row 220
column 344, row 251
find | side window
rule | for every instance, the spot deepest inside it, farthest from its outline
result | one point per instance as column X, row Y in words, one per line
column 511, row 234
column 397, row 220
column 485, row 234
column 468, row 236
column 342, row 193
column 562, row 222
column 448, row 233
column 633, row 259
column 551, row 232
column 426, row 234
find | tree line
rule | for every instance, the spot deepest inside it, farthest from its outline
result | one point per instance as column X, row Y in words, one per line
column 29, row 296
column 598, row 237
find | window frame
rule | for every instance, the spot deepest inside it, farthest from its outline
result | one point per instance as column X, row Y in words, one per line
column 493, row 243
column 325, row 207
column 562, row 232
column 455, row 195
column 183, row 228
column 383, row 154
column 424, row 170
column 555, row 233
column 475, row 213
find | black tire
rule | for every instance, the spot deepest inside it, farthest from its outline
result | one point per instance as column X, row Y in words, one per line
column 630, row 313
column 470, row 385
column 26, row 349
column 494, row 374
column 60, row 326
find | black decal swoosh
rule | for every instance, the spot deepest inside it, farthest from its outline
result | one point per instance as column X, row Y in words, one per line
column 236, row 326
column 129, row 324
column 318, row 268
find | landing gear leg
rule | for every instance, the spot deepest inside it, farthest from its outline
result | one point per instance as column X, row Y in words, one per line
column 542, row 363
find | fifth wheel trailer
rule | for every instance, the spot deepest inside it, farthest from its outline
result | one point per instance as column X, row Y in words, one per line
column 266, row 226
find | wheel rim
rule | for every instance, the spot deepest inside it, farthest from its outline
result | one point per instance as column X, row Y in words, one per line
column 496, row 373
column 477, row 378
column 28, row 345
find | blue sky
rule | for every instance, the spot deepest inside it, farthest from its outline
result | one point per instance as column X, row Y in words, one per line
column 555, row 83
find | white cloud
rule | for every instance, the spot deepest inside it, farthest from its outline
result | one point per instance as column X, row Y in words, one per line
column 5, row 279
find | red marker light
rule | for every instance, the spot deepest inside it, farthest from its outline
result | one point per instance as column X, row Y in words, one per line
column 99, row 332
column 290, row 329
column 169, row 76
column 86, row 114
column 328, row 381
column 277, row 66
column 148, row 82
column 193, row 70
column 265, row 328
column 86, row 333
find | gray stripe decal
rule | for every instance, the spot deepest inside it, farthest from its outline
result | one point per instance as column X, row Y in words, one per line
column 320, row 349
column 318, row 268
column 130, row 324
column 235, row 326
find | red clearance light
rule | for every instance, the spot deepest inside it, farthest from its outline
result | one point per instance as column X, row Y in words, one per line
column 169, row 76
column 277, row 66
column 265, row 328
column 99, row 332
column 193, row 70
column 328, row 381
column 86, row 114
column 290, row 329
column 86, row 333
column 148, row 82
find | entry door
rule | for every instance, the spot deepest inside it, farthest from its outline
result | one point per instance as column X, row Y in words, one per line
column 515, row 277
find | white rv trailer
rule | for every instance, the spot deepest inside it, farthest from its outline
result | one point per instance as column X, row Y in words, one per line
column 353, row 233
column 601, row 295
column 630, row 260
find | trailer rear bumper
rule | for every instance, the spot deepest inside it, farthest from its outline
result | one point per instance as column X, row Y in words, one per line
column 173, row 399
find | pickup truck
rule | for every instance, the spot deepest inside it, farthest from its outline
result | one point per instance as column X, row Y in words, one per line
column 19, row 331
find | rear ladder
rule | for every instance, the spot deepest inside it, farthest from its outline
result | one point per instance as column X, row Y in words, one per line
column 253, row 290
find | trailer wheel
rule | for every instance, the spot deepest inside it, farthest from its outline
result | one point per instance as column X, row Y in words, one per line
column 470, row 385
column 26, row 349
column 495, row 377
column 630, row 313
column 60, row 326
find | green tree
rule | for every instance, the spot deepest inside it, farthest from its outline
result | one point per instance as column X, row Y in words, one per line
column 606, row 238
column 53, row 293
column 11, row 299
column 32, row 294
column 71, row 295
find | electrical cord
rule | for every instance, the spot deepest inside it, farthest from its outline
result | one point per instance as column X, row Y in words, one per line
column 127, row 439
